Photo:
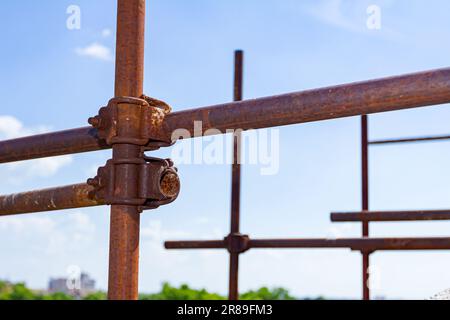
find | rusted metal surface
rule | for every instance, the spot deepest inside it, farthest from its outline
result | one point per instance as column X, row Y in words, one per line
column 125, row 219
column 51, row 144
column 67, row 197
column 356, row 244
column 196, row 244
column 380, row 216
column 365, row 202
column 233, row 286
column 150, row 114
column 388, row 94
column 158, row 183
column 410, row 140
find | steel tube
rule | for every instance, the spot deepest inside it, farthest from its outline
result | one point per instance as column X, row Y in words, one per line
column 410, row 140
column 195, row 244
column 382, row 95
column 357, row 244
column 387, row 94
column 361, row 244
column 51, row 144
column 125, row 219
column 365, row 202
column 67, row 197
column 380, row 216
column 233, row 284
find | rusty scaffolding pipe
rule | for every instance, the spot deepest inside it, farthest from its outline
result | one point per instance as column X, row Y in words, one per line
column 233, row 284
column 410, row 140
column 125, row 219
column 51, row 144
column 356, row 244
column 380, row 216
column 67, row 197
column 387, row 94
column 365, row 203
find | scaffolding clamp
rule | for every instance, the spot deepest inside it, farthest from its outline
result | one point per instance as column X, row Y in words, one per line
column 135, row 121
column 158, row 183
column 237, row 242
column 112, row 121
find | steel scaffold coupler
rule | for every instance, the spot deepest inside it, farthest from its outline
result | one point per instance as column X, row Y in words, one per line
column 149, row 112
column 157, row 182
column 237, row 242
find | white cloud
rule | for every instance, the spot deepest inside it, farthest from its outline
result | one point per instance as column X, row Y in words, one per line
column 45, row 167
column 154, row 231
column 331, row 12
column 19, row 225
column 81, row 222
column 96, row 51
column 11, row 127
column 351, row 16
column 106, row 32
column 53, row 234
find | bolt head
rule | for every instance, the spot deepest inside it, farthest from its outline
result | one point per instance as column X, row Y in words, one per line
column 170, row 184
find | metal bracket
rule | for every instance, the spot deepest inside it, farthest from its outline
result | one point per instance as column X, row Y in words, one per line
column 158, row 183
column 237, row 243
column 157, row 179
column 148, row 111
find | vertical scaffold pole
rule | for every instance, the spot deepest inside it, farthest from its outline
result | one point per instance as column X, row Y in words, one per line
column 236, row 180
column 365, row 201
column 125, row 219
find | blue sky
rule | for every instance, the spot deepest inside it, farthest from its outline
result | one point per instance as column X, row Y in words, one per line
column 53, row 78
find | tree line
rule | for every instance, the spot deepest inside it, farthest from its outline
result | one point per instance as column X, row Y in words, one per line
column 19, row 291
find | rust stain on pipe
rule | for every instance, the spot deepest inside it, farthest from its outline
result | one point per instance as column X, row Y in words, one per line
column 357, row 244
column 361, row 244
column 67, row 197
column 51, row 144
column 365, row 202
column 196, row 244
column 380, row 216
column 233, row 281
column 388, row 94
column 382, row 95
column 125, row 219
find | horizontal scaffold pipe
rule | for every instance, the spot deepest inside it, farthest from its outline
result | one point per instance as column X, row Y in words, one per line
column 410, row 140
column 67, row 197
column 51, row 144
column 382, row 95
column 380, row 216
column 357, row 244
column 194, row 244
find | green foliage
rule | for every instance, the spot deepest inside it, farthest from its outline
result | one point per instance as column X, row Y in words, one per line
column 182, row 293
column 19, row 291
column 99, row 295
column 56, row 296
column 265, row 293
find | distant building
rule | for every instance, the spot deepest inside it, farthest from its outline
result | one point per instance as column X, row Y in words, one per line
column 78, row 287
